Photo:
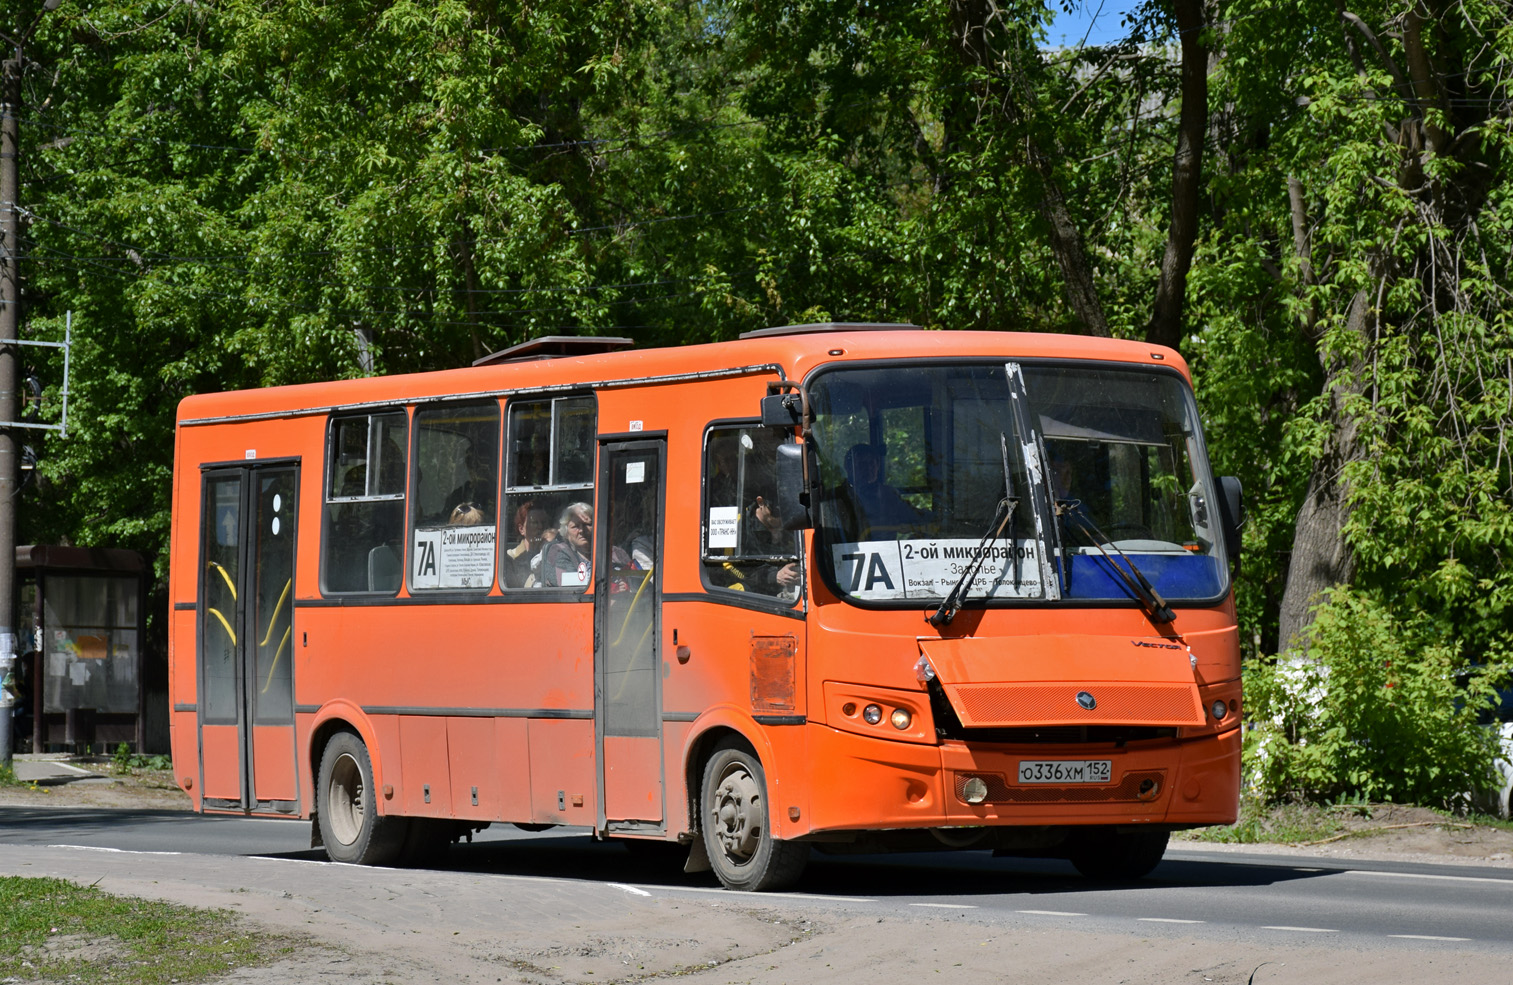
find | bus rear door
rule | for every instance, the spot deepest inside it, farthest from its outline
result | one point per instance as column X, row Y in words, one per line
column 627, row 636
column 246, row 628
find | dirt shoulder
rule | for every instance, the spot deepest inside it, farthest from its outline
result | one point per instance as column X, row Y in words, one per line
column 91, row 783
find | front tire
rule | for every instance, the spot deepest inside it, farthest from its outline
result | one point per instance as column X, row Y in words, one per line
column 1114, row 856
column 350, row 825
column 736, row 826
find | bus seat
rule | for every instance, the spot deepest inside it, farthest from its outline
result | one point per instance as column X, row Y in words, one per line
column 383, row 569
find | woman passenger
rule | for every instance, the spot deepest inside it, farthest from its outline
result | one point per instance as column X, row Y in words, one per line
column 568, row 560
column 530, row 523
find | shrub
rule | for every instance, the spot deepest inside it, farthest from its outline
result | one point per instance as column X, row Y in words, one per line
column 1374, row 708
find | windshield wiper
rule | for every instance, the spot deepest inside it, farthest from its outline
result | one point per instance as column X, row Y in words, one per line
column 1134, row 579
column 1007, row 507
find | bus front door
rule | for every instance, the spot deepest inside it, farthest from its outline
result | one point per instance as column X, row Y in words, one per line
column 627, row 636
column 246, row 645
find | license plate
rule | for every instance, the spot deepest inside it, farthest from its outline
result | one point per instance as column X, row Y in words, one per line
column 1065, row 770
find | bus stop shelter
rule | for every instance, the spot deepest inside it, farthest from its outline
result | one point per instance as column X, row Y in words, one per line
column 81, row 626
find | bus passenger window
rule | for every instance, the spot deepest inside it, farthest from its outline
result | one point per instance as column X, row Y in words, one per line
column 549, row 493
column 746, row 548
column 362, row 542
column 456, row 491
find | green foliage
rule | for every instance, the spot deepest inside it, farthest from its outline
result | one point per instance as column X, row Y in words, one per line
column 125, row 761
column 119, row 939
column 1262, row 821
column 1375, row 708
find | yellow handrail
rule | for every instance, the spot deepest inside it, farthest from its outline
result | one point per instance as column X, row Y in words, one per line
column 274, row 618
column 229, row 631
column 276, row 657
column 625, row 623
column 229, row 583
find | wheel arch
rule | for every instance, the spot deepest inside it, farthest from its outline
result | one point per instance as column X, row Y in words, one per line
column 714, row 727
column 343, row 716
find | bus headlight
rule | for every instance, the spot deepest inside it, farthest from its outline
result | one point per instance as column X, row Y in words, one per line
column 872, row 714
column 1219, row 710
column 974, row 790
column 901, row 718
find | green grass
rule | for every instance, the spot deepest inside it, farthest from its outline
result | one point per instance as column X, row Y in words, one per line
column 8, row 777
column 1296, row 823
column 1286, row 823
column 55, row 931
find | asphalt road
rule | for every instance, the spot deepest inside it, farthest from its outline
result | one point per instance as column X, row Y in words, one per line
column 1199, row 894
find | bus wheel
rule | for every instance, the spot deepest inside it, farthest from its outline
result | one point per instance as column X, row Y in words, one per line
column 737, row 837
column 350, row 824
column 1105, row 854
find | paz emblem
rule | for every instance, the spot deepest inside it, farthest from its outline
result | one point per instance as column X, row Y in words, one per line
column 1086, row 700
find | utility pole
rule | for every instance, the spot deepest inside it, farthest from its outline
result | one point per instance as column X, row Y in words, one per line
column 10, row 328
column 10, row 334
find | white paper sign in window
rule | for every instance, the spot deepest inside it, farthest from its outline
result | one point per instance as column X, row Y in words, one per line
column 724, row 527
column 454, row 557
column 921, row 569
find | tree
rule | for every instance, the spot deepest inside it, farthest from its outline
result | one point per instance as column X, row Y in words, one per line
column 1368, row 148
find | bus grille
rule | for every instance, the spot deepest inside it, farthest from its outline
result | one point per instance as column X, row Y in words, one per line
column 1128, row 788
column 1063, row 735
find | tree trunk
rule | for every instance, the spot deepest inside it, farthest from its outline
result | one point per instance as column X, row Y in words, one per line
column 1165, row 326
column 976, row 34
column 1321, row 556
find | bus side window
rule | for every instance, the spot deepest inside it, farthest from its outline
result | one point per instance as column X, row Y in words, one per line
column 548, row 493
column 362, row 540
column 456, row 492
column 745, row 547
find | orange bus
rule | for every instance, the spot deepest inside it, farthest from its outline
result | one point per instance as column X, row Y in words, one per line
column 845, row 588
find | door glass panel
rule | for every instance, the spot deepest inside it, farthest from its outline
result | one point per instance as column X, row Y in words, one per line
column 221, row 535
column 629, row 644
column 273, row 602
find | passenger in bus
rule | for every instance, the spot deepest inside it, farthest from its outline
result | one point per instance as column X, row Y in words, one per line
column 478, row 488
column 466, row 515
column 531, row 522
column 879, row 508
column 567, row 561
column 762, row 532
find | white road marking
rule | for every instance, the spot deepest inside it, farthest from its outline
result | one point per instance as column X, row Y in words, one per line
column 117, row 851
column 628, row 889
column 1167, row 920
column 1306, row 930
column 1427, row 937
column 1051, row 913
column 738, row 893
column 947, row 906
column 1429, row 875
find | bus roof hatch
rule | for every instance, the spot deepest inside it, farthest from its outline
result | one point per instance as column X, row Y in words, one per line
column 554, row 347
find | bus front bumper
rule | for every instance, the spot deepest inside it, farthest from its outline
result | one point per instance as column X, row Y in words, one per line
column 860, row 783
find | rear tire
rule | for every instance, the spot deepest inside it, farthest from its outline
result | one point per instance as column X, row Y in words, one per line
column 1113, row 856
column 350, row 825
column 735, row 824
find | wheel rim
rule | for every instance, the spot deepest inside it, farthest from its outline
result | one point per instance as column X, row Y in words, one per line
column 345, row 797
column 736, row 814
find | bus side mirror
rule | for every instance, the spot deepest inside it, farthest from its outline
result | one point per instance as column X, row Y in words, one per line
column 792, row 497
column 782, row 410
column 1231, row 514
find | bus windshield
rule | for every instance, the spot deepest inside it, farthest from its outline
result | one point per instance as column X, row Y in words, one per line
column 1057, row 475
